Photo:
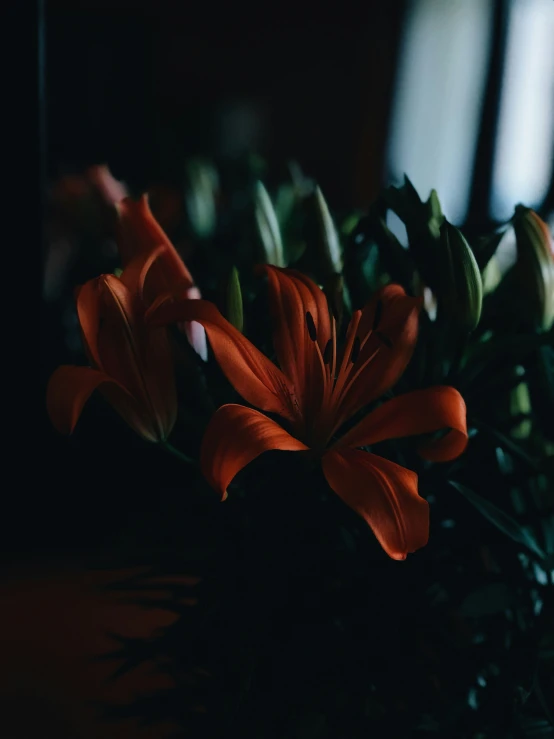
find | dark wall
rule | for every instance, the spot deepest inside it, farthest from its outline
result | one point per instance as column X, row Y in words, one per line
column 145, row 84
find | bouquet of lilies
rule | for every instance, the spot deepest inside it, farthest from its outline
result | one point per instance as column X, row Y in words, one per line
column 361, row 400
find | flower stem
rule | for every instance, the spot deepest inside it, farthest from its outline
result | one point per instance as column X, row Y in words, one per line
column 176, row 453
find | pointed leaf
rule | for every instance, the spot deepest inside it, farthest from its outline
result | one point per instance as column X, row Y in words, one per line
column 235, row 314
column 501, row 520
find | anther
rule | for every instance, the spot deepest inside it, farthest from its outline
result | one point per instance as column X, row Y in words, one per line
column 311, row 326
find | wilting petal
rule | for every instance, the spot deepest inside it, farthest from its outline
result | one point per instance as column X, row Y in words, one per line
column 235, row 436
column 251, row 373
column 69, row 389
column 384, row 495
column 419, row 412
column 398, row 327
column 140, row 233
column 292, row 295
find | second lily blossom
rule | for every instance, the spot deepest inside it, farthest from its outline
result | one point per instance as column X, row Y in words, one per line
column 317, row 388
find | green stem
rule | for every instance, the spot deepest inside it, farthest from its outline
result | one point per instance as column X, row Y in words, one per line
column 176, row 453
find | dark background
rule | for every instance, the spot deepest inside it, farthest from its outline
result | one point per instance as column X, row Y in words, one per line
column 142, row 85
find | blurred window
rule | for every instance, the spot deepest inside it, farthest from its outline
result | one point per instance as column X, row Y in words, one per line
column 522, row 168
column 438, row 110
column 441, row 82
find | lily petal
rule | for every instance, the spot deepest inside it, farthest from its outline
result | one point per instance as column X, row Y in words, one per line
column 140, row 233
column 88, row 299
column 384, row 494
column 292, row 295
column 419, row 412
column 250, row 372
column 136, row 272
column 235, row 436
column 69, row 389
column 398, row 325
column 120, row 344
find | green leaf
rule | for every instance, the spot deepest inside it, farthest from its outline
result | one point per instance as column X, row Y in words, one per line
column 499, row 351
column 235, row 314
column 487, row 600
column 506, row 442
column 501, row 520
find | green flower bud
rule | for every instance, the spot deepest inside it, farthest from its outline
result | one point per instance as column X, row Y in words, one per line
column 328, row 239
column 200, row 197
column 234, row 306
column 434, row 207
column 535, row 265
column 460, row 290
column 492, row 276
column 268, row 227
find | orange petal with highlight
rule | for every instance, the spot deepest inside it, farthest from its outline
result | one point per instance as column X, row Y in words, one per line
column 250, row 372
column 419, row 412
column 384, row 494
column 399, row 326
column 139, row 233
column 291, row 296
column 235, row 436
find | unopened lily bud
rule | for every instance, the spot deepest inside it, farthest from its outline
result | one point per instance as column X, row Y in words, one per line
column 535, row 265
column 327, row 236
column 461, row 287
column 201, row 197
column 492, row 275
column 520, row 406
column 268, row 227
column 435, row 216
column 234, row 306
column 434, row 206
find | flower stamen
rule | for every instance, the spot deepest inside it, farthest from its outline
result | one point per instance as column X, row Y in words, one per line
column 312, row 331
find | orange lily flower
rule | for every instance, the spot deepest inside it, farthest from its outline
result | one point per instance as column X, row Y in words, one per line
column 318, row 388
column 140, row 234
column 132, row 364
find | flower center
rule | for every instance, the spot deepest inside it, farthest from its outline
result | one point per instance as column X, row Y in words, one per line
column 330, row 386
